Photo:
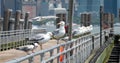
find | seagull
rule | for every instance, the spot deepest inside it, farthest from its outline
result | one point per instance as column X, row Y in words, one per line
column 77, row 32
column 91, row 27
column 28, row 48
column 84, row 29
column 60, row 32
column 41, row 38
column 65, row 39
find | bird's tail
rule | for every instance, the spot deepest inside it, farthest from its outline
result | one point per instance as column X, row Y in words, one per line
column 27, row 39
column 17, row 48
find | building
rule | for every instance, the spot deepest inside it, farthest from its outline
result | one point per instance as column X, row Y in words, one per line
column 0, row 8
column 23, row 5
column 29, row 6
column 91, row 6
column 43, row 7
column 10, row 4
column 110, row 6
column 118, row 7
column 65, row 3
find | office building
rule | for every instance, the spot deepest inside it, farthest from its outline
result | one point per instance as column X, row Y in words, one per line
column 110, row 6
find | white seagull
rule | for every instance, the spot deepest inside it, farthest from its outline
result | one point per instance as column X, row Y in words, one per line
column 60, row 32
column 41, row 38
column 91, row 27
column 65, row 39
column 77, row 32
column 28, row 48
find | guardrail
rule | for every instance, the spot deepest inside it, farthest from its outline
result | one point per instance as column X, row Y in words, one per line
column 82, row 48
column 15, row 38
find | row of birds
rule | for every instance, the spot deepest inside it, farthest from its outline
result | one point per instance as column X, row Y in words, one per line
column 59, row 33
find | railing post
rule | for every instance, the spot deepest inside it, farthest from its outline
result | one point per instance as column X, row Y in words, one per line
column 101, row 25
column 93, row 42
column 58, row 52
column 31, row 60
column 41, row 57
column 51, row 53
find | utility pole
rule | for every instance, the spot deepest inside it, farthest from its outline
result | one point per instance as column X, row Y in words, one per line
column 101, row 20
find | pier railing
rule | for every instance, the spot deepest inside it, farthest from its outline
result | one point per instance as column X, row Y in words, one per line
column 15, row 38
column 82, row 48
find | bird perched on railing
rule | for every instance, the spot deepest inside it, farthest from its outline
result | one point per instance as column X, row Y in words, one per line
column 41, row 38
column 79, row 31
column 65, row 38
column 28, row 48
column 60, row 32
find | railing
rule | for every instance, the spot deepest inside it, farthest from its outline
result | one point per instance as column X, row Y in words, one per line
column 14, row 38
column 82, row 48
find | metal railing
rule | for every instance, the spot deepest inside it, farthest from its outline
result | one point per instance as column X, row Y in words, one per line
column 14, row 38
column 82, row 48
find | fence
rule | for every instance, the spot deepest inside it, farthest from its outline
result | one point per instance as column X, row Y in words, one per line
column 15, row 38
column 82, row 48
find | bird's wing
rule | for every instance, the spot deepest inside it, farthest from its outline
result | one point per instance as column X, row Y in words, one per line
column 42, row 38
column 55, row 32
column 24, row 48
column 74, row 32
column 36, row 37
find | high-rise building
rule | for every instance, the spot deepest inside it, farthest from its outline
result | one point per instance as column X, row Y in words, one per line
column 110, row 6
column 0, row 8
column 95, row 5
column 118, row 7
column 10, row 4
column 87, row 6
column 65, row 3
column 44, row 8
column 23, row 5
column 82, row 6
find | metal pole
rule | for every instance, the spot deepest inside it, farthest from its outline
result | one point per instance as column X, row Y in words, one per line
column 119, row 15
column 101, row 20
column 70, row 18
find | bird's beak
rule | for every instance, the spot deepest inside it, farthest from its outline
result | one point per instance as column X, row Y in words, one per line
column 58, row 23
